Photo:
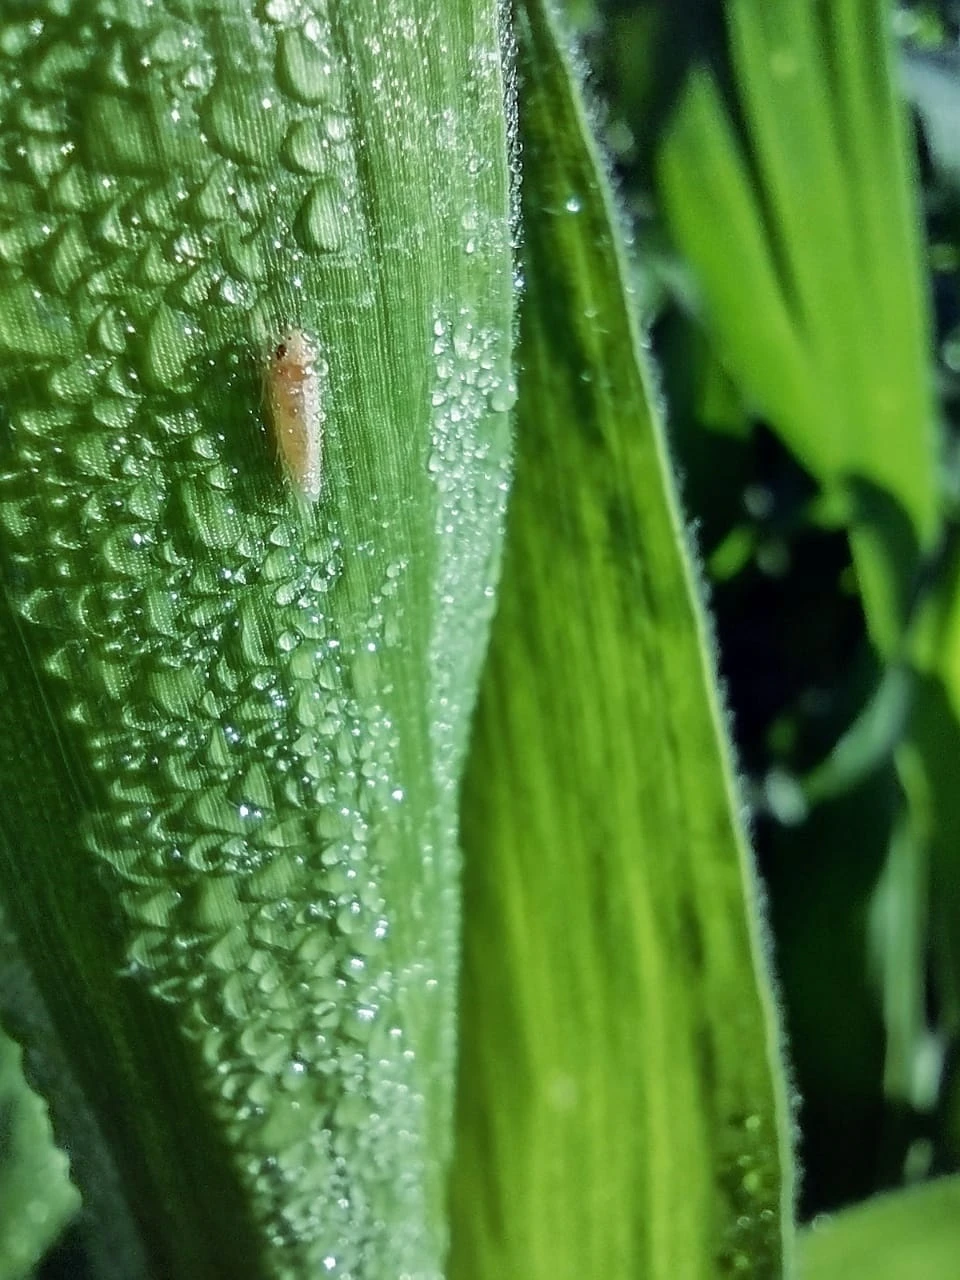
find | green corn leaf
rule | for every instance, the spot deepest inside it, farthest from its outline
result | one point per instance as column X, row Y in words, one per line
column 904, row 1235
column 36, row 1196
column 233, row 718
column 822, row 320
column 621, row 1103
column 935, row 807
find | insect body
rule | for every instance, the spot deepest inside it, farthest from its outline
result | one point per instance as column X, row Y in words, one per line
column 292, row 393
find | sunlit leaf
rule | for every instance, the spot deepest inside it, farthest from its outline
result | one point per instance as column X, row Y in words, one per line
column 621, row 1100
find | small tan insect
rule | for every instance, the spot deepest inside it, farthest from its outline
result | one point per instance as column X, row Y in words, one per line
column 292, row 393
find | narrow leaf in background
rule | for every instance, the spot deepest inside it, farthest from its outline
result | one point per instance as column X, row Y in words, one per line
column 904, row 1235
column 622, row 1105
column 824, row 322
column 36, row 1197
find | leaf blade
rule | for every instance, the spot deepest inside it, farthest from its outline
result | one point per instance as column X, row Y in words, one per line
column 610, row 953
column 264, row 701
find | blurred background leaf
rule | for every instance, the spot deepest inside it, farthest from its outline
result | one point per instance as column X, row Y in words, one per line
column 37, row 1199
column 904, row 1235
